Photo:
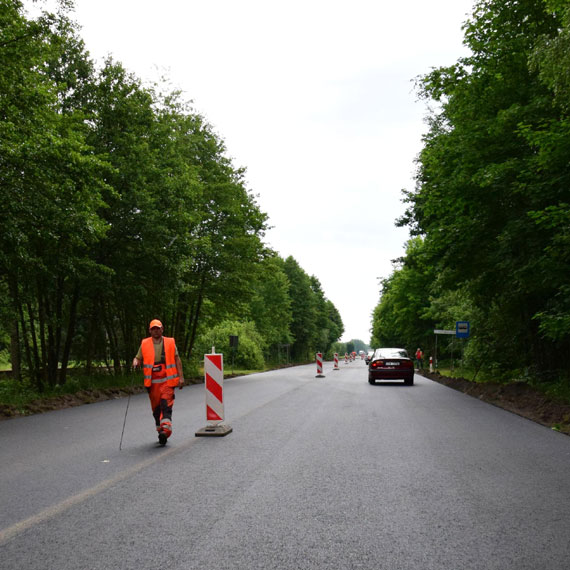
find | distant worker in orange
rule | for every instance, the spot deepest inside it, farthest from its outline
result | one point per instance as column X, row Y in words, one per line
column 419, row 358
column 162, row 372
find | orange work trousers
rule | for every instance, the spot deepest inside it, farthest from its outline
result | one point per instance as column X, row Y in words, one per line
column 161, row 401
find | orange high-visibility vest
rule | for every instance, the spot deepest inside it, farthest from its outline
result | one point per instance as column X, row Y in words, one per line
column 171, row 377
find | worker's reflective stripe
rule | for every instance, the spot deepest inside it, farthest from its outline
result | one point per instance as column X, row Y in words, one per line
column 171, row 366
column 161, row 380
column 147, row 365
column 147, row 376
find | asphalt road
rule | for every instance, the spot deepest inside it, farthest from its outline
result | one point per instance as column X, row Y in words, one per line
column 327, row 473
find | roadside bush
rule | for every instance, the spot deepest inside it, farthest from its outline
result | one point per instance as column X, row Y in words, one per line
column 13, row 392
column 249, row 354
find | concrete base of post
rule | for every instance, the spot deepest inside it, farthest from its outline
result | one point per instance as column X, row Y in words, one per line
column 214, row 431
column 320, row 376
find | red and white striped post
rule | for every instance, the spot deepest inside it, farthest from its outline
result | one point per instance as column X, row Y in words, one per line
column 319, row 366
column 214, row 383
column 346, row 357
column 431, row 363
column 335, row 361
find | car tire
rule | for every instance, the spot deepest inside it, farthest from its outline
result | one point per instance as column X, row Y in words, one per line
column 409, row 382
column 371, row 381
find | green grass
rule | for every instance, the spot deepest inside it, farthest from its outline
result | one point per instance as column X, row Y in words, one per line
column 16, row 394
column 558, row 391
column 243, row 371
column 19, row 394
column 467, row 373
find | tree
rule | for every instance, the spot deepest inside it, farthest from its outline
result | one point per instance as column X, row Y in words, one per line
column 303, row 306
column 249, row 353
column 122, row 206
column 401, row 317
column 149, row 212
column 316, row 323
column 551, row 142
column 321, row 340
column 487, row 206
column 185, row 233
column 270, row 306
column 335, row 326
column 51, row 184
column 226, row 240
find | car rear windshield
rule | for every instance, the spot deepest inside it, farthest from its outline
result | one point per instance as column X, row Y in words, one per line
column 391, row 354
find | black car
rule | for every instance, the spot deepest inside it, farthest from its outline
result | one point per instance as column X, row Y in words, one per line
column 391, row 364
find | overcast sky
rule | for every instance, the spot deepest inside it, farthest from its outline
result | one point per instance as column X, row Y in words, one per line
column 315, row 98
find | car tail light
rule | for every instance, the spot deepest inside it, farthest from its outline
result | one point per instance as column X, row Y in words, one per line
column 407, row 364
column 377, row 364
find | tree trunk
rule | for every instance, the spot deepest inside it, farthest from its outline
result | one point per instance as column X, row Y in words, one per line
column 58, row 325
column 196, row 315
column 37, row 370
column 188, row 329
column 13, row 286
column 112, row 337
column 43, row 312
column 91, row 339
column 15, row 350
column 177, row 321
column 69, row 336
column 15, row 353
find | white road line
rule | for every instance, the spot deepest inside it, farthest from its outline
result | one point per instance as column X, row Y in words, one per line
column 10, row 532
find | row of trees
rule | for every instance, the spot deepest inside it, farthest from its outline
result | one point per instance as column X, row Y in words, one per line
column 490, row 214
column 119, row 206
column 354, row 345
column 289, row 318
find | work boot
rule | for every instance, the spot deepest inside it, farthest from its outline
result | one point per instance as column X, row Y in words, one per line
column 166, row 427
column 162, row 438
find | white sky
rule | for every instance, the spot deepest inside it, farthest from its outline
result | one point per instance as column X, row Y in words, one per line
column 315, row 98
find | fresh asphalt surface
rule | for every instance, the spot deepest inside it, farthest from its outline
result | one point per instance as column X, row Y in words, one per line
column 327, row 473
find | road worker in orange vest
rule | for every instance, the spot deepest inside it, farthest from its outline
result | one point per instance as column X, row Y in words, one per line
column 419, row 358
column 162, row 372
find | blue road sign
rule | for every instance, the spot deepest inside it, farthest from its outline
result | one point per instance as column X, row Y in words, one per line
column 462, row 329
